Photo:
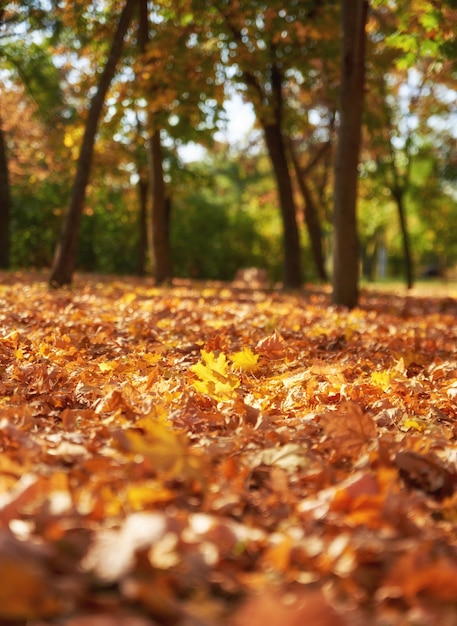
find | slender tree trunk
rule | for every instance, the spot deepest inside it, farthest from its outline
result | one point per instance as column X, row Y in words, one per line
column 143, row 176
column 399, row 196
column 5, row 203
column 272, row 127
column 346, row 245
column 159, row 212
column 159, row 209
column 314, row 229
column 143, row 194
column 65, row 255
column 278, row 156
column 311, row 218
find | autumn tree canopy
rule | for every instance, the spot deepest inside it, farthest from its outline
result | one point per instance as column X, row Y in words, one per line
column 166, row 89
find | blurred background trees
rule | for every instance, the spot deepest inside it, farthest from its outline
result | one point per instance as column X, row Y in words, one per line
column 168, row 178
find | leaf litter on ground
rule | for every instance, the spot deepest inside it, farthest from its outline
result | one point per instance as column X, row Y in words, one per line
column 201, row 455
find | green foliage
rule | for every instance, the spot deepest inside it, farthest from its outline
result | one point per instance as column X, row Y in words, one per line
column 109, row 233
column 35, row 224
column 218, row 227
column 435, row 211
column 34, row 64
column 431, row 213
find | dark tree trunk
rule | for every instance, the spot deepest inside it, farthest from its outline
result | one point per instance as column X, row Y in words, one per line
column 398, row 195
column 271, row 119
column 160, row 242
column 65, row 255
column 143, row 194
column 311, row 218
column 292, row 252
column 314, row 229
column 5, row 203
column 159, row 212
column 346, row 245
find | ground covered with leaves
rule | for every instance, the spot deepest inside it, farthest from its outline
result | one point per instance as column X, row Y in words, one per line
column 207, row 455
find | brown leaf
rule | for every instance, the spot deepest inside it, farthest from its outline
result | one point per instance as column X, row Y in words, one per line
column 272, row 609
column 426, row 472
column 97, row 619
column 272, row 347
column 420, row 572
column 348, row 428
column 27, row 590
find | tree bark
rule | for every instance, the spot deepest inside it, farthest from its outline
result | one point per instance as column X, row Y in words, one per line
column 314, row 229
column 157, row 200
column 272, row 125
column 346, row 245
column 143, row 194
column 292, row 253
column 159, row 213
column 65, row 255
column 311, row 215
column 398, row 195
column 5, row 203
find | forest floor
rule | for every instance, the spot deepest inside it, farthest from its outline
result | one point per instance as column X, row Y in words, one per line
column 200, row 455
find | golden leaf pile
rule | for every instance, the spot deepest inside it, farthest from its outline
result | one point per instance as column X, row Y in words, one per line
column 196, row 456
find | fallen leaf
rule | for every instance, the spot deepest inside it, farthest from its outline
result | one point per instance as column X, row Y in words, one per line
column 215, row 378
column 272, row 347
column 294, row 609
column 348, row 428
column 28, row 590
column 426, row 472
column 245, row 360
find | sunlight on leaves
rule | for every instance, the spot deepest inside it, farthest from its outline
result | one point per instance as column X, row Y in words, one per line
column 245, row 360
column 273, row 346
column 348, row 428
column 382, row 379
column 167, row 450
column 128, row 453
column 215, row 378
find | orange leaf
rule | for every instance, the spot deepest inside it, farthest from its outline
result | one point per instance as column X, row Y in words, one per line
column 273, row 347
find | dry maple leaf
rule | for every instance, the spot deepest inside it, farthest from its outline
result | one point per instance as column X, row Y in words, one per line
column 272, row 347
column 426, row 472
column 245, row 360
column 273, row 609
column 215, row 379
column 348, row 428
column 169, row 452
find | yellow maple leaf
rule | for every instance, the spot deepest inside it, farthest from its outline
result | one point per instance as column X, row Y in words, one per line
column 151, row 358
column 107, row 366
column 168, row 450
column 413, row 423
column 215, row 379
column 245, row 360
column 382, row 379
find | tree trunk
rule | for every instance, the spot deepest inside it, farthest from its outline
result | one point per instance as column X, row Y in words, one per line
column 159, row 233
column 143, row 194
column 314, row 229
column 398, row 195
column 292, row 253
column 346, row 245
column 65, row 255
column 159, row 212
column 272, row 124
column 311, row 218
column 5, row 203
